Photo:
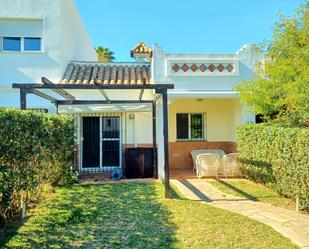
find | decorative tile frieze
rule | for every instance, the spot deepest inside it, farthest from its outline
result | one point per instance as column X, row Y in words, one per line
column 203, row 68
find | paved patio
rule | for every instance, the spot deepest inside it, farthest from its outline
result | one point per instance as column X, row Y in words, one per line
column 290, row 224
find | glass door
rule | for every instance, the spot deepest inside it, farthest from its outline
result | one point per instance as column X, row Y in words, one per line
column 91, row 143
column 110, row 142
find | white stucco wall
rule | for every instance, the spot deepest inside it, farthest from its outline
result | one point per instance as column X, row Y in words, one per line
column 206, row 85
column 64, row 39
column 221, row 117
column 138, row 128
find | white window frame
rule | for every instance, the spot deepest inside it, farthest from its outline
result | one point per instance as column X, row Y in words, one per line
column 204, row 127
column 22, row 45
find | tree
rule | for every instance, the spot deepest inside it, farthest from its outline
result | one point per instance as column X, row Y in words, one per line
column 104, row 54
column 280, row 91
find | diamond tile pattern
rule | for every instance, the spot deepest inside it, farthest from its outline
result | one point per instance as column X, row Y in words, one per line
column 193, row 67
column 176, row 68
column 203, row 68
column 229, row 68
column 196, row 67
column 211, row 67
column 220, row 67
column 184, row 67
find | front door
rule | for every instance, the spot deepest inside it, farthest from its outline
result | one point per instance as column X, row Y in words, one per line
column 100, row 143
column 91, row 143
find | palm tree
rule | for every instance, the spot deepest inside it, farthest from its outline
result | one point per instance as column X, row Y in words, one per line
column 104, row 54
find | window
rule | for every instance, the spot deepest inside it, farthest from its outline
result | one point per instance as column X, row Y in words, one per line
column 11, row 44
column 21, row 34
column 190, row 126
column 32, row 44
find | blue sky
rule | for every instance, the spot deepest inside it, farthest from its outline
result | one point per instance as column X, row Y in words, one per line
column 183, row 26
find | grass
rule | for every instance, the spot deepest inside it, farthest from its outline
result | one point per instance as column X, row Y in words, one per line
column 134, row 215
column 253, row 191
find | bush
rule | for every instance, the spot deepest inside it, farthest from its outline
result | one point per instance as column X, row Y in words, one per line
column 277, row 157
column 35, row 150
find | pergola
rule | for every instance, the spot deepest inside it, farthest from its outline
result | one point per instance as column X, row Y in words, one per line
column 68, row 98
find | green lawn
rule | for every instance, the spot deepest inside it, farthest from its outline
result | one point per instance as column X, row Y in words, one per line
column 253, row 191
column 134, row 215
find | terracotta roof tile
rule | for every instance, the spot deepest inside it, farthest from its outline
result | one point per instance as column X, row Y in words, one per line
column 107, row 73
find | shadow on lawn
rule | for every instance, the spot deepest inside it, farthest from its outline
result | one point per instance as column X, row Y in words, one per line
column 201, row 195
column 241, row 192
column 10, row 229
column 195, row 190
column 99, row 216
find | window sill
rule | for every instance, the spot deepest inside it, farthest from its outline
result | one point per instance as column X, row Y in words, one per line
column 22, row 52
column 191, row 140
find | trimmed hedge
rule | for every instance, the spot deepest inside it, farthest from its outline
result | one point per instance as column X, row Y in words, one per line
column 277, row 157
column 35, row 150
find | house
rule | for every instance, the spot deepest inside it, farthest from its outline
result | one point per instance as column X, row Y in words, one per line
column 36, row 39
column 143, row 116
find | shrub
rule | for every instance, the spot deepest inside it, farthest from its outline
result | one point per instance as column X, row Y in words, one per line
column 35, row 150
column 277, row 157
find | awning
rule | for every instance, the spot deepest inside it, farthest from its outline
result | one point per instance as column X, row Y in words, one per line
column 129, row 107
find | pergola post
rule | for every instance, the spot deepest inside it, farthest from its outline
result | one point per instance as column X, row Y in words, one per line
column 163, row 93
column 154, row 139
column 23, row 98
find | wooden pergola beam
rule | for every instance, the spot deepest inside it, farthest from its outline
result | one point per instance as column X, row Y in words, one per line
column 43, row 95
column 89, row 102
column 104, row 94
column 61, row 92
column 140, row 96
column 91, row 86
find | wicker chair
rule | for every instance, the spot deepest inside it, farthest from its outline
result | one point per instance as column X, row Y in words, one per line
column 195, row 153
column 230, row 165
column 207, row 164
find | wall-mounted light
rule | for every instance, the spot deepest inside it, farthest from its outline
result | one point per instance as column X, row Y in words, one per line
column 199, row 99
column 131, row 116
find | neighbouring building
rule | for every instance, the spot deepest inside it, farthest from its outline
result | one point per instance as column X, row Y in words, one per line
column 38, row 38
column 122, row 110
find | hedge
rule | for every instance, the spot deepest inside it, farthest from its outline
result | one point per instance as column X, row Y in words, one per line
column 35, row 150
column 277, row 157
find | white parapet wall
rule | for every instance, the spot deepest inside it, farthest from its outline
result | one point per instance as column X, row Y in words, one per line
column 220, row 72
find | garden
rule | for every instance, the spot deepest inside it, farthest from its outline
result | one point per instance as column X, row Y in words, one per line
column 134, row 215
column 35, row 152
